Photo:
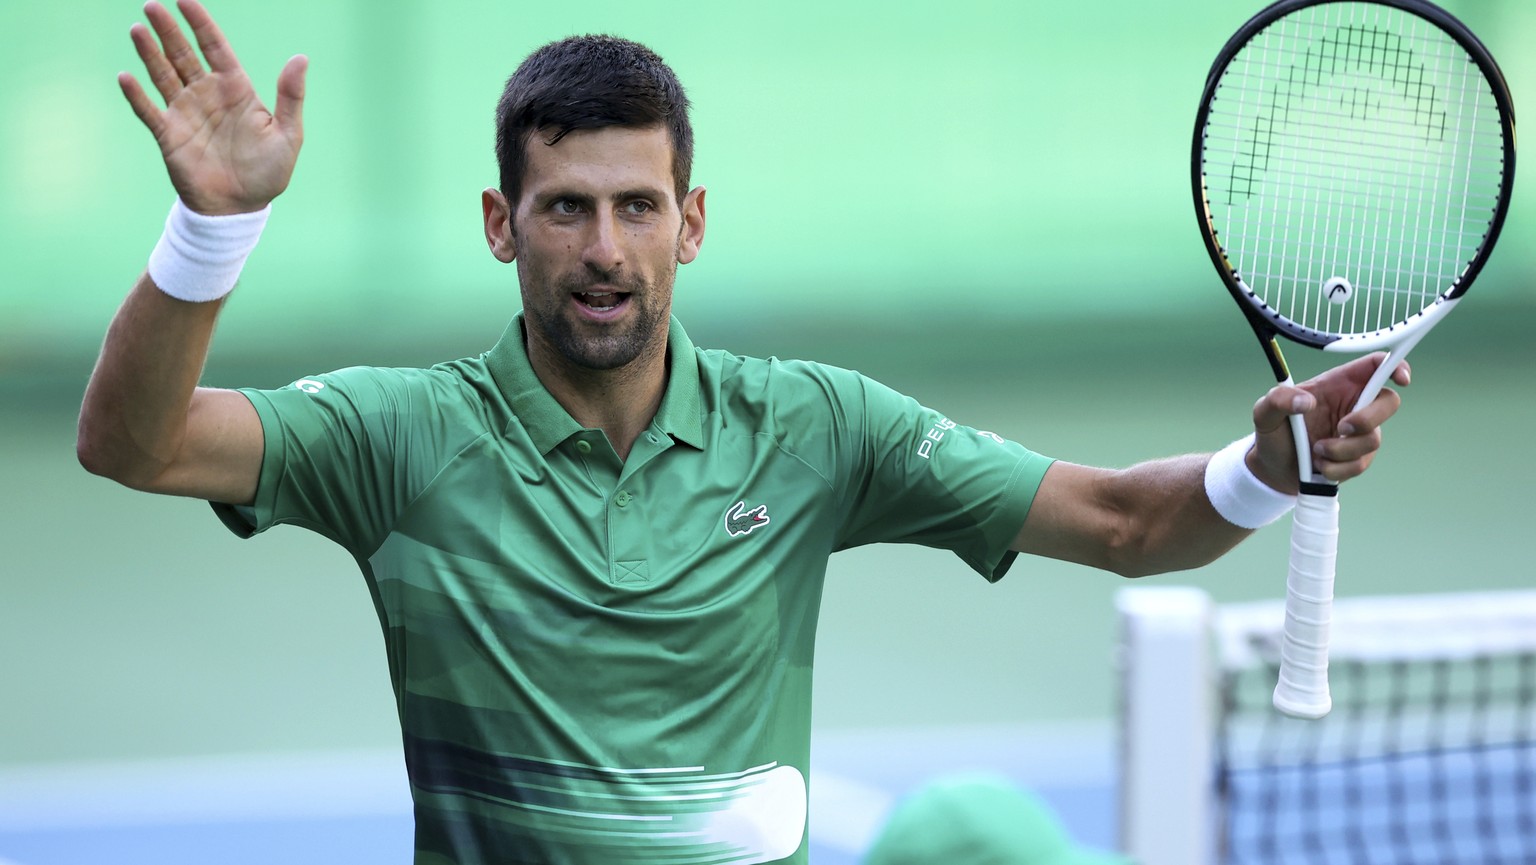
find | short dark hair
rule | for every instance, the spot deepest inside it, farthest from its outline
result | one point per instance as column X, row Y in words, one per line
column 589, row 82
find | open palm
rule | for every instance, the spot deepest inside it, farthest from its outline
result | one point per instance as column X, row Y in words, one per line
column 225, row 152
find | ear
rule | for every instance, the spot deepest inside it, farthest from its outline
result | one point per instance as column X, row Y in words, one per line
column 692, row 236
column 498, row 225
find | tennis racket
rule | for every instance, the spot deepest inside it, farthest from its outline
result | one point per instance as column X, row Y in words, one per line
column 1352, row 167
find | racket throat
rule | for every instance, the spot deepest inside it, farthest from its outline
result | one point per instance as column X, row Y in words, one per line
column 1310, row 482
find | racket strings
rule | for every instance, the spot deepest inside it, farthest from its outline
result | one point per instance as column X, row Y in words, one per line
column 1347, row 142
column 1405, row 154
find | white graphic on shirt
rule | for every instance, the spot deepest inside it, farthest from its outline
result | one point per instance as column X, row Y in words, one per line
column 930, row 441
column 678, row 815
column 309, row 385
column 739, row 521
column 935, row 435
column 766, row 819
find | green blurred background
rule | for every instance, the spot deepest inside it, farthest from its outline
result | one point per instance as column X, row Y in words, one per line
column 984, row 204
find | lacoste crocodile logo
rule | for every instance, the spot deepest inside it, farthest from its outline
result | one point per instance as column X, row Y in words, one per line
column 740, row 521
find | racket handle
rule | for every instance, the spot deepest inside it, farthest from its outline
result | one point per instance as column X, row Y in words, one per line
column 1302, row 689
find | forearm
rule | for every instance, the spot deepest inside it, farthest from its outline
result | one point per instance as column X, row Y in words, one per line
column 1147, row 519
column 134, row 417
column 1170, row 523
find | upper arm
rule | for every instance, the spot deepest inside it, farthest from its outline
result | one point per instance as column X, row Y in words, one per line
column 347, row 452
column 911, row 475
column 219, row 458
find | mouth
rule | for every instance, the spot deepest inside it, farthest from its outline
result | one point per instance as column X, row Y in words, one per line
column 601, row 302
column 599, row 299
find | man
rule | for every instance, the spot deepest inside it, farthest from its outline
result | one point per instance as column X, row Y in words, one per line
column 596, row 551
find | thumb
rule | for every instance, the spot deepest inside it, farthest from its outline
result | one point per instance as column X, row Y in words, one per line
column 290, row 96
column 1272, row 411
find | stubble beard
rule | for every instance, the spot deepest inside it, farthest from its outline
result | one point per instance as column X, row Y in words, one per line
column 593, row 346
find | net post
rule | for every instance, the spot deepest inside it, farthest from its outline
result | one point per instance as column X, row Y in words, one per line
column 1168, row 708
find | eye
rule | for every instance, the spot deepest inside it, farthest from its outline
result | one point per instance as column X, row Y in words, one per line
column 566, row 207
column 638, row 206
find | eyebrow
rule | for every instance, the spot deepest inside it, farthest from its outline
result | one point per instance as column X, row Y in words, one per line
column 642, row 192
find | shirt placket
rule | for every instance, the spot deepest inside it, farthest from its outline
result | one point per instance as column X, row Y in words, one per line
column 630, row 505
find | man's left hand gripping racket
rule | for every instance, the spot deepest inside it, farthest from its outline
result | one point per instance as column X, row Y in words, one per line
column 1352, row 167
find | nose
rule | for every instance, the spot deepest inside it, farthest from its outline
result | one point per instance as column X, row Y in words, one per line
column 603, row 251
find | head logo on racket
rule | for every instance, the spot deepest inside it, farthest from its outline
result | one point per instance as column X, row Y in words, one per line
column 1338, row 290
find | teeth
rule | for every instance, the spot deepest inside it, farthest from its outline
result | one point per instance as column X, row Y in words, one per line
column 600, row 299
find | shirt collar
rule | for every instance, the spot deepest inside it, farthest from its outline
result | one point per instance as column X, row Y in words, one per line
column 548, row 423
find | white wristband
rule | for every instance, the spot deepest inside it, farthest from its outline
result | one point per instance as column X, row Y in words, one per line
column 199, row 257
column 1242, row 499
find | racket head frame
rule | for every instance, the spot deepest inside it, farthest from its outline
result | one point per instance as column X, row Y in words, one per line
column 1268, row 323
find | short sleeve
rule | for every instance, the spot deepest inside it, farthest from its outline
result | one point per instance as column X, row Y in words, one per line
column 346, row 452
column 916, row 476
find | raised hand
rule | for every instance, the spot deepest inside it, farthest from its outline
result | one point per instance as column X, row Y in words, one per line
column 225, row 152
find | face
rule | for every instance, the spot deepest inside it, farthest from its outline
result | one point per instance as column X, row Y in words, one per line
column 597, row 237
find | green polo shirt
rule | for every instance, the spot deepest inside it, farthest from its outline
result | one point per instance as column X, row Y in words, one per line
column 605, row 660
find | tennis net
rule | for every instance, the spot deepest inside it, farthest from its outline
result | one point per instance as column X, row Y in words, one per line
column 1429, row 755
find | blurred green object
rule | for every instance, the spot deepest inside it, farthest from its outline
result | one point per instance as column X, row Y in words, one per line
column 978, row 819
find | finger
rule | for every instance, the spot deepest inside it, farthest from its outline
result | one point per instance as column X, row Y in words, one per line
column 1358, row 438
column 1274, row 409
column 1344, row 457
column 210, row 39
column 1371, row 416
column 1361, row 369
column 139, row 101
column 161, row 74
column 290, row 97
column 1344, row 449
column 1358, row 371
column 174, row 43
column 1342, row 470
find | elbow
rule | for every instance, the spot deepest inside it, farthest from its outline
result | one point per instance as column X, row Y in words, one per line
column 91, row 451
column 89, row 459
column 1141, row 558
column 1133, row 568
column 1125, row 551
column 106, row 457
column 1134, row 551
column 96, row 457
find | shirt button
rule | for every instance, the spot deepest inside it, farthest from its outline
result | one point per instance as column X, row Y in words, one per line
column 622, row 498
column 583, row 446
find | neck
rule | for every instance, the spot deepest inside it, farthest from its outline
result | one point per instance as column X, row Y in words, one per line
column 621, row 402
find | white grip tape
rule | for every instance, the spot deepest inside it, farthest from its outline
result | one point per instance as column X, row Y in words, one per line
column 1302, row 689
column 199, row 257
column 1242, row 499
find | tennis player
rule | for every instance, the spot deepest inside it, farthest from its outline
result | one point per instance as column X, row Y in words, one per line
column 596, row 550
